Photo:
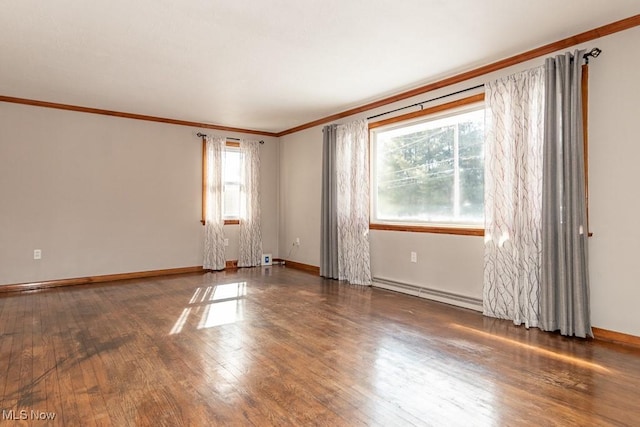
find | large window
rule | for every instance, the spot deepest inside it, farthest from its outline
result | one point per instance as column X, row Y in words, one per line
column 429, row 171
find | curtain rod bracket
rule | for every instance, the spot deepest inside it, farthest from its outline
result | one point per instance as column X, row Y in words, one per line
column 595, row 52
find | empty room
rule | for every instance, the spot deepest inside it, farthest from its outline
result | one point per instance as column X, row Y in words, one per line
column 337, row 213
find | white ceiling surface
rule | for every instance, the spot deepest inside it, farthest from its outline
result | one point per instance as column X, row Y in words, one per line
column 266, row 65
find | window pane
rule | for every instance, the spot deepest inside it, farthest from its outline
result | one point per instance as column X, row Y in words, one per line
column 232, row 172
column 431, row 171
column 231, row 200
column 232, row 160
column 472, row 167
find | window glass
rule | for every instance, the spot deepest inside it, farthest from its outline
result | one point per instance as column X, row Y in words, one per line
column 430, row 171
column 232, row 171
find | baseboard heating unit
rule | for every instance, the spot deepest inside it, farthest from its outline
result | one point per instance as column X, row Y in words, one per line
column 432, row 294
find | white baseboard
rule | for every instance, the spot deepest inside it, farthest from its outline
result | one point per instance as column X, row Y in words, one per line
column 432, row 294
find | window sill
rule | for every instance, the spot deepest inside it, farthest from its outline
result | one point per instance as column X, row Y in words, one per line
column 462, row 231
column 226, row 222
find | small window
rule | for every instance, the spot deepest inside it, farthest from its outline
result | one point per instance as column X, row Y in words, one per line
column 232, row 161
column 430, row 171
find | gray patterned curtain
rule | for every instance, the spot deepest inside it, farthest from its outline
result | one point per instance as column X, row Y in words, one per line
column 513, row 185
column 344, row 243
column 329, row 221
column 564, row 296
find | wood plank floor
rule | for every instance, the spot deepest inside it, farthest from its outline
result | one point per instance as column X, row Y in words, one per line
column 277, row 346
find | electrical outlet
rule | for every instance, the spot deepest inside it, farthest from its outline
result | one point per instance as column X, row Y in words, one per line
column 414, row 257
column 37, row 254
column 226, row 242
column 297, row 241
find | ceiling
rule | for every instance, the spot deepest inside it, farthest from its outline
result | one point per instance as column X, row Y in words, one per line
column 266, row 65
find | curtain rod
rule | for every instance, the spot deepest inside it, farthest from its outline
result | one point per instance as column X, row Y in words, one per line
column 424, row 102
column 204, row 135
column 593, row 53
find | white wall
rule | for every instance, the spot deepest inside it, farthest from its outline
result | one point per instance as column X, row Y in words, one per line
column 300, row 186
column 614, row 151
column 104, row 195
column 454, row 263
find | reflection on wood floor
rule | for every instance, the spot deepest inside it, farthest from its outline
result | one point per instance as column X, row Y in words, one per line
column 276, row 346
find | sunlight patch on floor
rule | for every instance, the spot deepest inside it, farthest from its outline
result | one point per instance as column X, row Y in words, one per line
column 221, row 304
column 544, row 352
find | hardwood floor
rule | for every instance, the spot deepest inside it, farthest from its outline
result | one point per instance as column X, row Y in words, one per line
column 283, row 347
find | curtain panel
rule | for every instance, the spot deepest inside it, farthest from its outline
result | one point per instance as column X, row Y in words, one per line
column 214, row 251
column 352, row 210
column 536, row 237
column 344, row 242
column 250, row 246
column 565, row 276
column 513, row 187
column 329, row 210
